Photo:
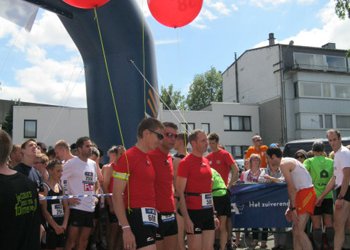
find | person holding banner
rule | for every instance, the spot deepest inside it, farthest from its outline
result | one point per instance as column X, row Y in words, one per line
column 302, row 195
column 194, row 187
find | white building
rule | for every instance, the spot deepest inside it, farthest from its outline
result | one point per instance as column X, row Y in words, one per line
column 234, row 123
column 301, row 91
column 49, row 124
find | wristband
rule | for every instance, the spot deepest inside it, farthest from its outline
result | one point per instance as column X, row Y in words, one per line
column 340, row 197
column 125, row 227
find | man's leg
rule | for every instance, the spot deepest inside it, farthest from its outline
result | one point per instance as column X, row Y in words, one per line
column 208, row 237
column 340, row 217
column 317, row 231
column 223, row 232
column 300, row 239
column 84, row 237
column 180, row 233
column 194, row 242
column 72, row 237
column 170, row 242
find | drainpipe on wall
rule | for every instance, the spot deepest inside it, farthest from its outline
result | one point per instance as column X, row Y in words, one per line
column 283, row 99
column 236, row 78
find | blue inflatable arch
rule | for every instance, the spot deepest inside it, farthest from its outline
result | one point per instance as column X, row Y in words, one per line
column 126, row 39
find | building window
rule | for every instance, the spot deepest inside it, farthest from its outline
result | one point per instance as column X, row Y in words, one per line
column 322, row 90
column 206, row 127
column 188, row 127
column 237, row 123
column 236, row 151
column 314, row 121
column 342, row 121
column 336, row 63
column 30, row 129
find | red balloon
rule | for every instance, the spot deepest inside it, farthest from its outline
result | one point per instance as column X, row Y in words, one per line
column 86, row 4
column 175, row 13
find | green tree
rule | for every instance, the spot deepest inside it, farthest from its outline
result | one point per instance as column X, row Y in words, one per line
column 172, row 99
column 342, row 9
column 205, row 88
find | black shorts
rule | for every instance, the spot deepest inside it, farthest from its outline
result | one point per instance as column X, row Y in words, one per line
column 223, row 205
column 325, row 208
column 167, row 225
column 53, row 240
column 145, row 235
column 79, row 218
column 202, row 219
column 347, row 195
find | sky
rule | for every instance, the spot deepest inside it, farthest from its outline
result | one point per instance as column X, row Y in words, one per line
column 44, row 65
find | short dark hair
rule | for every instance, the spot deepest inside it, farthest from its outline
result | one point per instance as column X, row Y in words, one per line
column 5, row 146
column 318, row 146
column 81, row 140
column 149, row 123
column 24, row 144
column 274, row 151
column 184, row 137
column 337, row 132
column 170, row 125
column 213, row 137
column 53, row 163
column 194, row 134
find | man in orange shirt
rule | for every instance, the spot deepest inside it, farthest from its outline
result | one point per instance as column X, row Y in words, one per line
column 257, row 148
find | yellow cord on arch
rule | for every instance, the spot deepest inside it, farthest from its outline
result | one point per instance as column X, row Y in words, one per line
column 112, row 93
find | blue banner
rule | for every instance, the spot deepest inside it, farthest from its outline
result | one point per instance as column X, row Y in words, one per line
column 259, row 205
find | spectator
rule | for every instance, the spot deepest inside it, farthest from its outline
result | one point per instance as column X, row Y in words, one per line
column 257, row 148
column 40, row 164
column 300, row 155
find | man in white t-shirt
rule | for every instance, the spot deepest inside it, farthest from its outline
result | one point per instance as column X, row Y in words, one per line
column 340, row 181
column 79, row 178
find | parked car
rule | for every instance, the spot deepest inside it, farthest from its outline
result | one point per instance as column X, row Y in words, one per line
column 291, row 147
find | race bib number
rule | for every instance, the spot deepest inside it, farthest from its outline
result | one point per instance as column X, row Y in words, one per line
column 149, row 216
column 88, row 187
column 168, row 217
column 207, row 200
column 57, row 210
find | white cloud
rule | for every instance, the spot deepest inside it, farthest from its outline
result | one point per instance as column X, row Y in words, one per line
column 234, row 7
column 220, row 7
column 305, row 1
column 333, row 29
column 266, row 3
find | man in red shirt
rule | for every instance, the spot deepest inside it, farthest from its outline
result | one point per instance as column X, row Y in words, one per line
column 194, row 187
column 134, row 198
column 164, row 187
column 257, row 148
column 223, row 162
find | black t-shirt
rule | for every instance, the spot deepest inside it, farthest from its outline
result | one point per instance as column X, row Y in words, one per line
column 19, row 213
column 32, row 174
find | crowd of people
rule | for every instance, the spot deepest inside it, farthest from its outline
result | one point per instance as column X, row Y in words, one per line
column 145, row 197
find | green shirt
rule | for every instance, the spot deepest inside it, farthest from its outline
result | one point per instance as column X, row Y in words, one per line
column 219, row 187
column 321, row 171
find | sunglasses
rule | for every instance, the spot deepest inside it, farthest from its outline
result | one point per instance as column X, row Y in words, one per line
column 171, row 135
column 159, row 135
column 300, row 156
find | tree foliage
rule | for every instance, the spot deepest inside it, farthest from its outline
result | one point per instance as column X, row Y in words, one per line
column 342, row 9
column 172, row 99
column 205, row 89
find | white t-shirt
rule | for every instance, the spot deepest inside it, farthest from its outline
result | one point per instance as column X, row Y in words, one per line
column 301, row 177
column 341, row 161
column 78, row 178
